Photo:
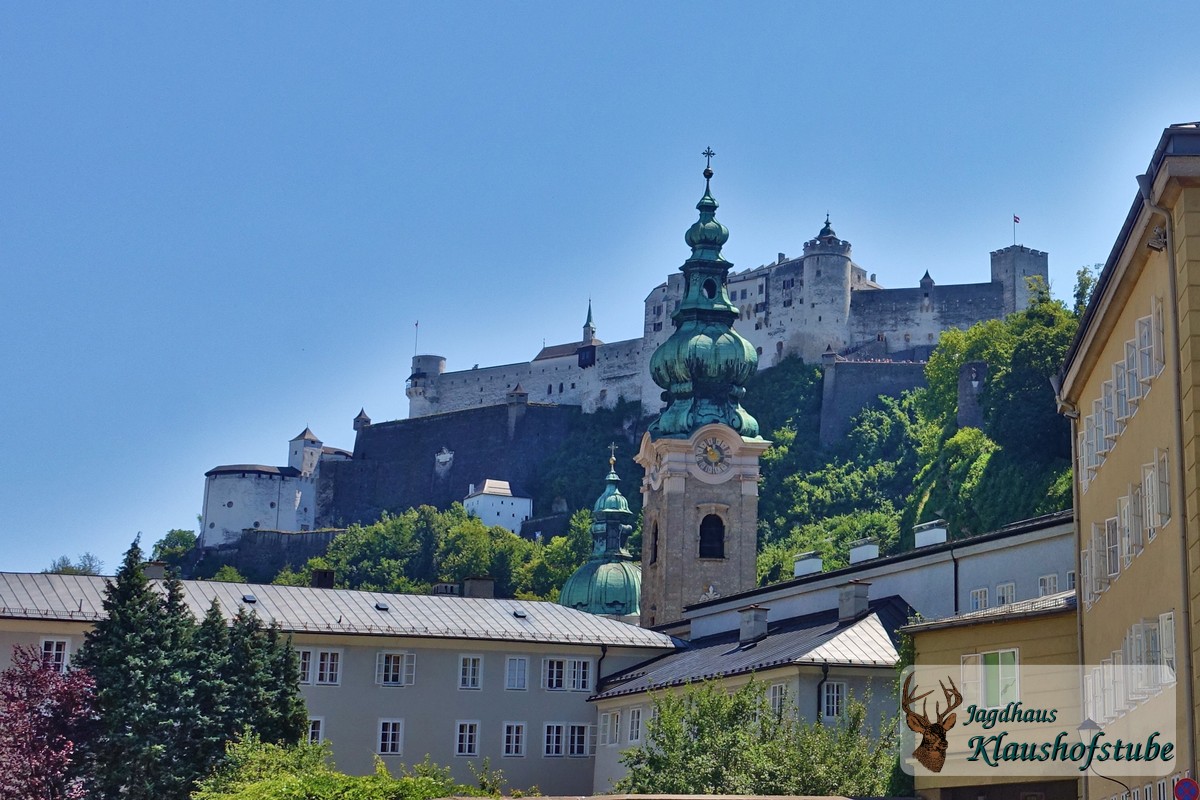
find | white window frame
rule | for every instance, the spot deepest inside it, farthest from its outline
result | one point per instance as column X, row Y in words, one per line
column 554, row 740
column 1048, row 584
column 1166, row 643
column 567, row 674
column 516, row 673
column 466, row 738
column 610, row 728
column 470, row 672
column 315, row 725
column 395, row 668
column 56, row 653
column 1121, row 394
column 1071, row 581
column 1006, row 593
column 320, row 666
column 1108, row 403
column 979, row 599
column 635, row 725
column 1133, row 384
column 777, row 696
column 1112, row 547
column 513, row 742
column 833, row 700
column 975, row 677
column 581, row 740
column 1145, row 344
column 1150, row 497
column 393, row 729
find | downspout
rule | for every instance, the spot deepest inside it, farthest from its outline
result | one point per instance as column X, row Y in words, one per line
column 1145, row 186
column 603, row 653
column 821, row 688
column 954, row 559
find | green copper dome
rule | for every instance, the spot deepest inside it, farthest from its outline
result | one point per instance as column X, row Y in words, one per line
column 704, row 365
column 610, row 582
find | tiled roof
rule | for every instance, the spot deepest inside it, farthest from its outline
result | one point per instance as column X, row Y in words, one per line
column 306, row 435
column 339, row 611
column 811, row 639
column 262, row 469
column 560, row 350
column 1048, row 604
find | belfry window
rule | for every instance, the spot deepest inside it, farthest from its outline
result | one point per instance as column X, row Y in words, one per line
column 654, row 544
column 712, row 537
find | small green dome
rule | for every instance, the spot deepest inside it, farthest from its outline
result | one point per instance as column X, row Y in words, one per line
column 706, row 235
column 611, row 500
column 604, row 587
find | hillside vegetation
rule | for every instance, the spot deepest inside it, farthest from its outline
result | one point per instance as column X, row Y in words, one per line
column 905, row 461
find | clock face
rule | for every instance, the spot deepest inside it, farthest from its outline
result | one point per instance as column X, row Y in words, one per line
column 712, row 455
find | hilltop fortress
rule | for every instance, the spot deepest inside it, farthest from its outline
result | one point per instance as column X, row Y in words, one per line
column 505, row 422
column 820, row 306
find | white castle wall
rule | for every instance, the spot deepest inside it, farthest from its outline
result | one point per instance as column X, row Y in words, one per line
column 235, row 501
column 794, row 306
column 507, row 512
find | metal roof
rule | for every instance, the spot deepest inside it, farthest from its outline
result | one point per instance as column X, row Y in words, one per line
column 261, row 469
column 811, row 639
column 1047, row 604
column 301, row 609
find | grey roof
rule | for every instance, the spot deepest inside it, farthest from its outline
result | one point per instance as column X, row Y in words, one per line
column 1013, row 529
column 340, row 611
column 306, row 435
column 811, row 639
column 261, row 469
column 1038, row 606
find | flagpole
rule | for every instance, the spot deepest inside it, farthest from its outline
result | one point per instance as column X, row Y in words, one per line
column 1014, row 230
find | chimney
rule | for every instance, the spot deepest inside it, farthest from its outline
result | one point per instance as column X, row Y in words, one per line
column 155, row 570
column 806, row 564
column 929, row 533
column 322, row 579
column 863, row 550
column 479, row 587
column 753, row 624
column 852, row 600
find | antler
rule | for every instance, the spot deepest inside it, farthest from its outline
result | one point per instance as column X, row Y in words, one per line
column 909, row 699
column 954, row 699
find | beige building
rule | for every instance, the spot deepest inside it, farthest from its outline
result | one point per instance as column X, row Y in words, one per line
column 1129, row 385
column 402, row 676
column 1036, row 632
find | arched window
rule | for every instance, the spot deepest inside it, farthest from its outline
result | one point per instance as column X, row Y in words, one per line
column 654, row 544
column 712, row 537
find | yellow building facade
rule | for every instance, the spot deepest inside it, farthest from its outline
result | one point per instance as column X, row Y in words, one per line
column 1130, row 387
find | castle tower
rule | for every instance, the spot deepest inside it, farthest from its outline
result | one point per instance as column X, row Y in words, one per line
column 1012, row 267
column 362, row 420
column 700, row 514
column 422, row 385
column 610, row 582
column 827, row 274
column 589, row 328
column 304, row 451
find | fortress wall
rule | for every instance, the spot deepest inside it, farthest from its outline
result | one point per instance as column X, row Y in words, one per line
column 260, row 555
column 618, row 374
column 396, row 464
column 850, row 386
column 908, row 319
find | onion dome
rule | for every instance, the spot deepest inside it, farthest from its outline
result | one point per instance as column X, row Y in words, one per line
column 827, row 231
column 705, row 363
column 610, row 582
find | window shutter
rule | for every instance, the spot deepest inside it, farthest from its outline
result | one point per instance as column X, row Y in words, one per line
column 1159, row 351
column 1164, row 488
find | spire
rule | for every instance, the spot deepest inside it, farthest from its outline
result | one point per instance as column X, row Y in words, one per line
column 589, row 327
column 589, row 322
column 704, row 364
column 827, row 231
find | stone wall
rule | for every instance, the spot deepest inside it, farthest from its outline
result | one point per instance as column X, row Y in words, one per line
column 850, row 386
column 434, row 460
column 259, row 555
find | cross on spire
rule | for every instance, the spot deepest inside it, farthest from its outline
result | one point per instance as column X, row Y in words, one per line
column 612, row 454
column 708, row 156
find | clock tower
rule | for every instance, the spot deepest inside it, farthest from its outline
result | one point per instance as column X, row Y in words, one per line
column 700, row 509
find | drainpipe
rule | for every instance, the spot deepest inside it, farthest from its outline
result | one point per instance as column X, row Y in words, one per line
column 821, row 688
column 603, row 653
column 954, row 559
column 1145, row 186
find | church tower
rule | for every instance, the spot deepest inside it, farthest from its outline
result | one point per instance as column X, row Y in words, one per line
column 700, row 510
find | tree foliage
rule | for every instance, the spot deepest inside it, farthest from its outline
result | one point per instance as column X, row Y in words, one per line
column 44, row 713
column 86, row 564
column 258, row 770
column 171, row 692
column 174, row 548
column 707, row 740
column 409, row 552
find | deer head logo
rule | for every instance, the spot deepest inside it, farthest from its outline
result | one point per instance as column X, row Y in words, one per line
column 932, row 750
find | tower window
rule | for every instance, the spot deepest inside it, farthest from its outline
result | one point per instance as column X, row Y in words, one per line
column 654, row 544
column 712, row 537
column 710, row 288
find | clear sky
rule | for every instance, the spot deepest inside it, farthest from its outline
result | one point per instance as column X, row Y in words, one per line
column 220, row 222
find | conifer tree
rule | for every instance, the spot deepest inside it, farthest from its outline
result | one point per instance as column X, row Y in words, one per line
column 208, row 663
column 127, row 653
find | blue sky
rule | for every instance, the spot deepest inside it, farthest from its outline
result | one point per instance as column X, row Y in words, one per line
column 219, row 222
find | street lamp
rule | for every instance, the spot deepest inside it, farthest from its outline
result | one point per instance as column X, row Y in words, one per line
column 1087, row 732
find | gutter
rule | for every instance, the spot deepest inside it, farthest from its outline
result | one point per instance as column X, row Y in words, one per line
column 1145, row 185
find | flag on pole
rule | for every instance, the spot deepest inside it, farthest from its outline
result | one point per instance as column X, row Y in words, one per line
column 1016, row 219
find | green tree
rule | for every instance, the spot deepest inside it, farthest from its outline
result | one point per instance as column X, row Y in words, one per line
column 1085, row 284
column 86, row 564
column 174, row 548
column 708, row 740
column 228, row 574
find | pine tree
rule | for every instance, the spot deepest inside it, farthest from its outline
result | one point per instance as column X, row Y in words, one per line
column 208, row 664
column 127, row 653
